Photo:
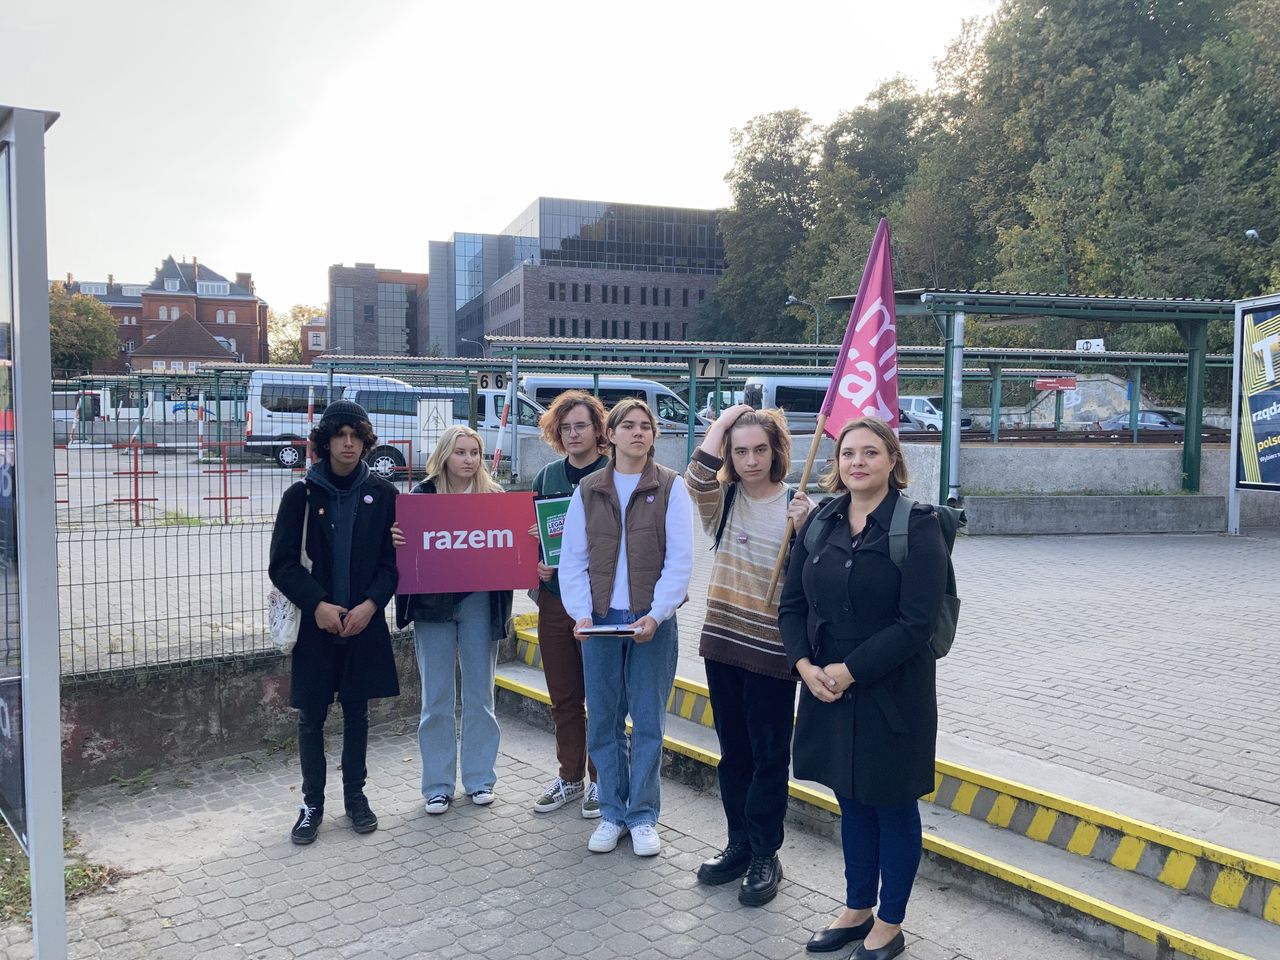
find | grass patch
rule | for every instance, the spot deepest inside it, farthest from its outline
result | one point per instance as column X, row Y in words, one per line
column 177, row 518
column 82, row 877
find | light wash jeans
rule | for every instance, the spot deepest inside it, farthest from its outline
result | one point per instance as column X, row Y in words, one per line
column 464, row 640
column 624, row 676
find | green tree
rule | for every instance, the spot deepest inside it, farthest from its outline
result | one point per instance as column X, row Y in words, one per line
column 81, row 331
column 284, row 331
column 773, row 184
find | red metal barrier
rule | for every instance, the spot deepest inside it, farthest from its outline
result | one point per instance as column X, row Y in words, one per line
column 64, row 475
column 225, row 472
column 137, row 473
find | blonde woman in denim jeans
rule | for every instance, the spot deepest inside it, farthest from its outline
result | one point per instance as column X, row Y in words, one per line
column 625, row 559
column 462, row 628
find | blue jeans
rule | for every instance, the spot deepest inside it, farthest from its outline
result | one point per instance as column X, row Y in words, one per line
column 464, row 640
column 881, row 847
column 623, row 677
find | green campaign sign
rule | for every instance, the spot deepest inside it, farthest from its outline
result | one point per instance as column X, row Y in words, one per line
column 551, row 512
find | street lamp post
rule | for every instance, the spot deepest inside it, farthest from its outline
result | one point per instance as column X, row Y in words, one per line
column 475, row 343
column 794, row 301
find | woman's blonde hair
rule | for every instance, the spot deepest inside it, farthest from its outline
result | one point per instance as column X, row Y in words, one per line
column 898, row 477
column 774, row 424
column 436, row 472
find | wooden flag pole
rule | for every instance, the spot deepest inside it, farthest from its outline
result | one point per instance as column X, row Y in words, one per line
column 804, row 486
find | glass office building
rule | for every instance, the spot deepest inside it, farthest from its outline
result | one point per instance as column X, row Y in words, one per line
column 566, row 233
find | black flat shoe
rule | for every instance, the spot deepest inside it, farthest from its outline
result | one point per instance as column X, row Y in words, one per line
column 729, row 864
column 760, row 885
column 837, row 938
column 887, row 952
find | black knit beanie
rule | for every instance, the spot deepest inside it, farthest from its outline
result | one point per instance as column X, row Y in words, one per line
column 344, row 413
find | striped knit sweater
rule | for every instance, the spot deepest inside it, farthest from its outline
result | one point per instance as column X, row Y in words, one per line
column 741, row 629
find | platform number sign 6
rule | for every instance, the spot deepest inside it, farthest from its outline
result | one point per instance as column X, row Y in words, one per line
column 491, row 381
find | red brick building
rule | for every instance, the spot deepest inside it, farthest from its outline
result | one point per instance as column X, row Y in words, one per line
column 231, row 312
column 314, row 336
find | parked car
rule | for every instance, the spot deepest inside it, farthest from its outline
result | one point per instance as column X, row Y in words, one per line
column 283, row 406
column 927, row 411
column 671, row 410
column 1147, row 420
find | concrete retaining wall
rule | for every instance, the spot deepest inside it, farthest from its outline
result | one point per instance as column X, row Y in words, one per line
column 1099, row 514
column 124, row 723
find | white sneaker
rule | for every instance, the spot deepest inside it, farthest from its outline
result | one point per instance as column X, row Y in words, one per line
column 438, row 803
column 591, row 803
column 605, row 837
column 483, row 797
column 645, row 840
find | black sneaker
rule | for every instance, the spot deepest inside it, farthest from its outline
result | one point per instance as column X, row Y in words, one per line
column 729, row 864
column 362, row 818
column 308, row 825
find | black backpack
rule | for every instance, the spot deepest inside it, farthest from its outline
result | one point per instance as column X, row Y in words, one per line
column 943, row 629
column 729, row 496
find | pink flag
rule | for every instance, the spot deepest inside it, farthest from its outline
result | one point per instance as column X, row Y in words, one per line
column 865, row 382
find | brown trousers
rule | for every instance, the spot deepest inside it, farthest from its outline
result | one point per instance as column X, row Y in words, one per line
column 562, row 665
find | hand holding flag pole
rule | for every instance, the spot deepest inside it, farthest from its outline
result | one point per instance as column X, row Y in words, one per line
column 865, row 381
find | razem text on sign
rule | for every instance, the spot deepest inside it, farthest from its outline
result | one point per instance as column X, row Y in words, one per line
column 466, row 541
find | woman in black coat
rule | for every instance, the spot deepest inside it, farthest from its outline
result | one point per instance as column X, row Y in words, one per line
column 344, row 646
column 856, row 631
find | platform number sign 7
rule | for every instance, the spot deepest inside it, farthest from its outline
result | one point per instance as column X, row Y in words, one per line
column 712, row 368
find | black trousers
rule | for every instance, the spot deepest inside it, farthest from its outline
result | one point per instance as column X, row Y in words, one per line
column 754, row 715
column 355, row 748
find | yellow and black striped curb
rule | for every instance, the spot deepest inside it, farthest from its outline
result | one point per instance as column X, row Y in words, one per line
column 1228, row 878
column 1167, row 941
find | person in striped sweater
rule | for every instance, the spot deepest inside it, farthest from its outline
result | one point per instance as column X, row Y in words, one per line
column 736, row 482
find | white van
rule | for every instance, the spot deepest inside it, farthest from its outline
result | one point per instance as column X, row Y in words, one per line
column 927, row 411
column 800, row 398
column 672, row 412
column 278, row 422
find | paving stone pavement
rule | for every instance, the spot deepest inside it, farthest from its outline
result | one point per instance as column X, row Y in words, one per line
column 1147, row 660
column 210, row 873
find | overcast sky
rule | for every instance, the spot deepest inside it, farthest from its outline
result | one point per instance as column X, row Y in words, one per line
column 280, row 137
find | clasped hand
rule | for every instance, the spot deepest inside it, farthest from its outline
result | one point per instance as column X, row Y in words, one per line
column 828, row 683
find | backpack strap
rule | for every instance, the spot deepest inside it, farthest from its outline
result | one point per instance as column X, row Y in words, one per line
column 730, row 493
column 898, row 528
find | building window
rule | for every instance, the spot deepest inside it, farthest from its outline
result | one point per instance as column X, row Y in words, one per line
column 586, row 327
column 179, row 365
column 157, row 365
column 655, row 296
column 575, row 326
column 684, row 297
column 561, row 292
column 171, row 286
column 231, row 316
column 213, row 287
column 586, row 289
column 626, row 329
column 614, row 293
column 551, row 327
column 684, row 331
column 94, row 289
column 193, row 366
column 316, row 341
column 626, row 294
column 644, row 296
column 129, row 346
column 221, row 317
column 131, row 290
column 562, row 326
column 666, row 330
column 702, row 295
column 644, row 329
column 575, row 293
column 666, row 296
column 164, row 313
column 551, row 290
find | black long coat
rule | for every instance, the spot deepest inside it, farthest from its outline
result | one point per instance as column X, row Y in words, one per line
column 369, row 671
column 841, row 604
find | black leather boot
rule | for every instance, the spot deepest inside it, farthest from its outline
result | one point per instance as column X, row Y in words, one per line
column 729, row 864
column 760, row 885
